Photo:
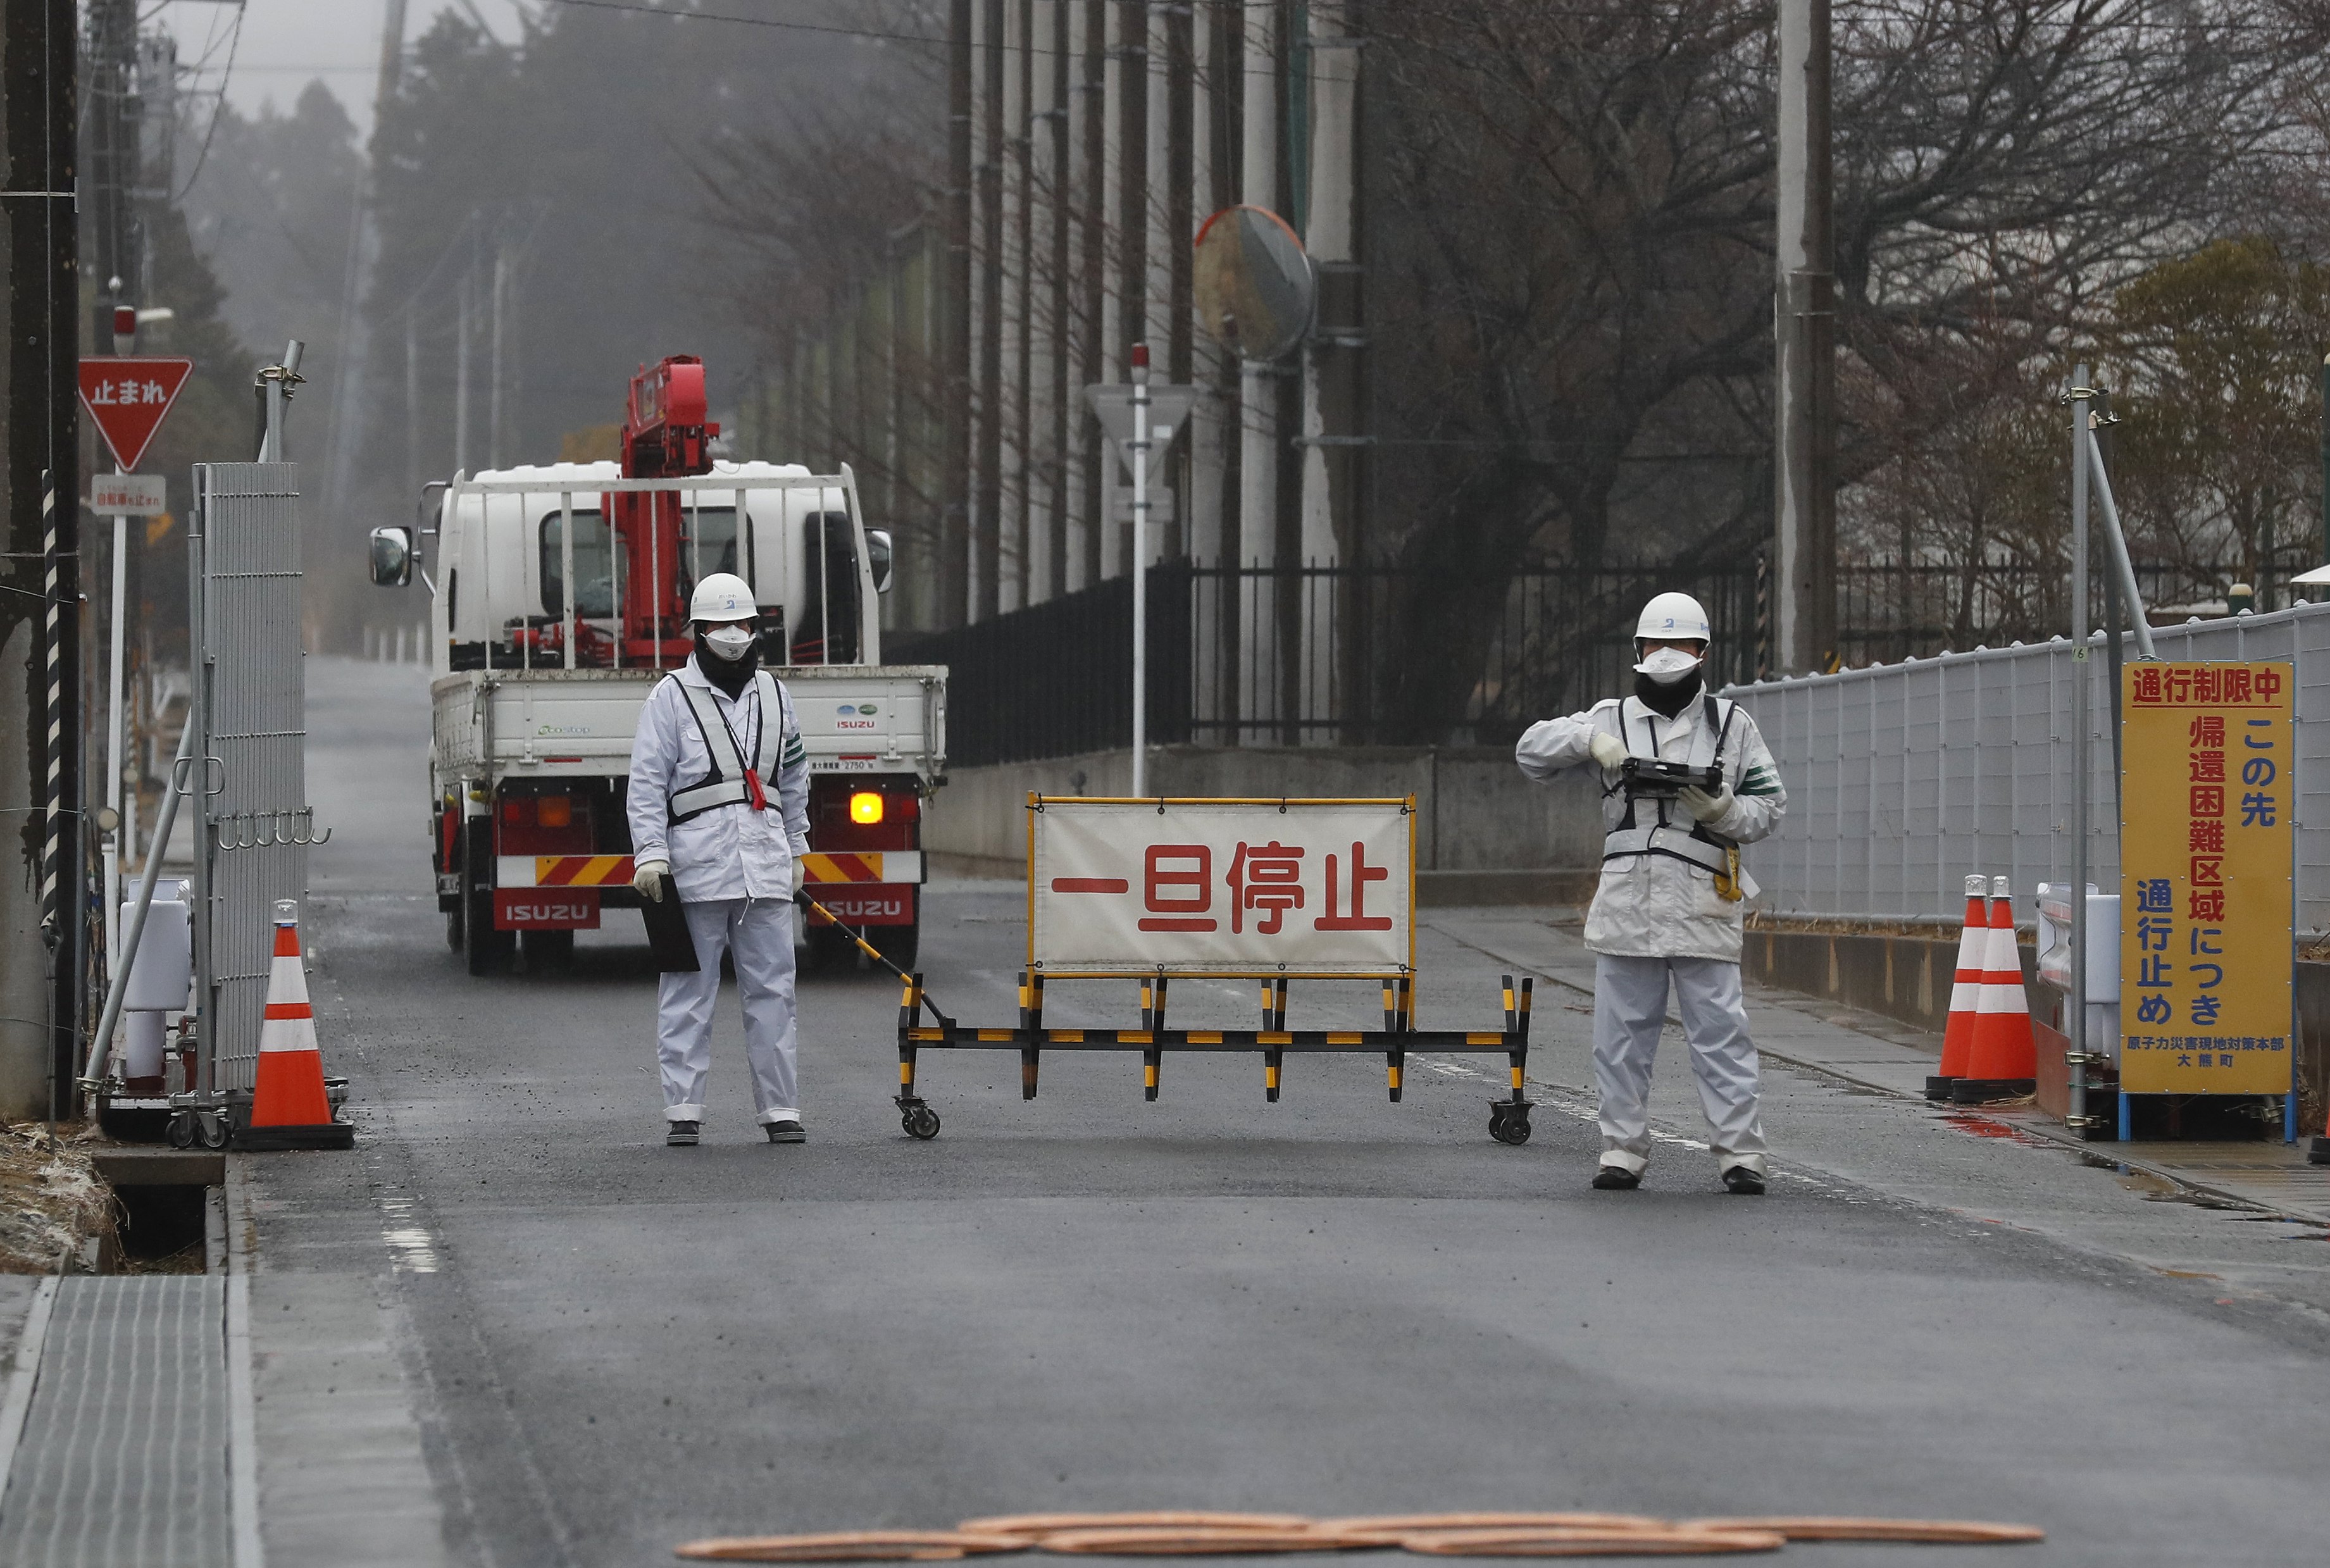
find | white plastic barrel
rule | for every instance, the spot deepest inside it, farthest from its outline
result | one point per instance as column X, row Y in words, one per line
column 146, row 1039
column 164, row 970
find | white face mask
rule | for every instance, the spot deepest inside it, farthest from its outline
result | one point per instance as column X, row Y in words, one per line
column 729, row 643
column 1667, row 665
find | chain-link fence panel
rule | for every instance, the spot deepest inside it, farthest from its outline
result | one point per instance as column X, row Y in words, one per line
column 1904, row 778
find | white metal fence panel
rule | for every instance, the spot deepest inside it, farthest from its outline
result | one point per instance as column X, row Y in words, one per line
column 250, row 703
column 1903, row 778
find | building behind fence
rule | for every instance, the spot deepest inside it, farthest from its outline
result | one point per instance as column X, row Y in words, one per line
column 1904, row 778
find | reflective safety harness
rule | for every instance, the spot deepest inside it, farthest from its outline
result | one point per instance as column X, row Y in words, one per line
column 731, row 781
column 1698, row 845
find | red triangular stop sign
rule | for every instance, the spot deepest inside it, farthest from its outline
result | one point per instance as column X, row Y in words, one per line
column 129, row 397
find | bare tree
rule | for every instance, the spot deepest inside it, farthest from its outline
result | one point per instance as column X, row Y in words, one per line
column 1579, row 248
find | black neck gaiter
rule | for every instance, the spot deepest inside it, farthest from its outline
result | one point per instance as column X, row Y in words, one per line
column 1666, row 701
column 728, row 676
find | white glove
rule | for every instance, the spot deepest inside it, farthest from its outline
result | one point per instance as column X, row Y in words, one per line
column 647, row 875
column 1607, row 750
column 1705, row 807
column 800, row 875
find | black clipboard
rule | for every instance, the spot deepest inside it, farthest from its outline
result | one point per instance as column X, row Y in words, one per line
column 668, row 933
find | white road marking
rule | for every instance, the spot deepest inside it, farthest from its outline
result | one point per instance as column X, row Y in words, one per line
column 411, row 1250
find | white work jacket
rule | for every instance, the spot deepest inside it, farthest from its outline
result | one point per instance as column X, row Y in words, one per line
column 1656, row 898
column 729, row 851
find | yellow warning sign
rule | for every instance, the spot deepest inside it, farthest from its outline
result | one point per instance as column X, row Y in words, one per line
column 2206, row 895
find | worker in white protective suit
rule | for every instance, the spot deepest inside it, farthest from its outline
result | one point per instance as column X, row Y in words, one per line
column 1673, row 895
column 709, row 828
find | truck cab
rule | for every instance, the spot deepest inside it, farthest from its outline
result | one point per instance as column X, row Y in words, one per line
column 536, row 689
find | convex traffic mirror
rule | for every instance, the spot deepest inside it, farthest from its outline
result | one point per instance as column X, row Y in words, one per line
column 392, row 557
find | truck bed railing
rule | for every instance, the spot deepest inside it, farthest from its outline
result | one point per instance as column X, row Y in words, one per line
column 571, row 638
column 842, row 481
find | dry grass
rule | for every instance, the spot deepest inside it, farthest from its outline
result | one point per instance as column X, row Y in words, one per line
column 52, row 1202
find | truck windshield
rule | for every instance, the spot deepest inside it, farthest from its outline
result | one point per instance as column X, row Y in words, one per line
column 595, row 566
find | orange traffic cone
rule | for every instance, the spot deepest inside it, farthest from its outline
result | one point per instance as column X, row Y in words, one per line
column 289, row 1106
column 1965, row 991
column 2003, row 1061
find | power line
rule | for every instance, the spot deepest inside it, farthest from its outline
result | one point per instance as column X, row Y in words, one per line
column 233, row 45
column 768, row 21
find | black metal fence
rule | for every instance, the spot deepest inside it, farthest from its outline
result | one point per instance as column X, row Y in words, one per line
column 1057, row 678
column 1391, row 655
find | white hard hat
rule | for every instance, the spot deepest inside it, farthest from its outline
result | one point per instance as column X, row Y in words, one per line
column 1670, row 617
column 723, row 596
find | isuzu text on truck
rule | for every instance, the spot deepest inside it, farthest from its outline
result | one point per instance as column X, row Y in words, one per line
column 536, row 690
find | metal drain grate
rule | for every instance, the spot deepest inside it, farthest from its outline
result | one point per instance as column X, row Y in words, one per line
column 124, row 1457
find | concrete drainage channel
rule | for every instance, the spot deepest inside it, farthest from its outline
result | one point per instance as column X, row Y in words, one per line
column 126, row 1423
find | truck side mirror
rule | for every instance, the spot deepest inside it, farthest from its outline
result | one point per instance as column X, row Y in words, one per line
column 879, row 556
column 392, row 557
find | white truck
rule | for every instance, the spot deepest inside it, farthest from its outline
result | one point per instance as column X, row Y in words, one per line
column 536, row 691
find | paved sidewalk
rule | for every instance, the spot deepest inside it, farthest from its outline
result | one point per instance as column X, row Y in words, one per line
column 1876, row 1053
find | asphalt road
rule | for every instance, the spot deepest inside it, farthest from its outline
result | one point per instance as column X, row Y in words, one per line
column 1332, row 1305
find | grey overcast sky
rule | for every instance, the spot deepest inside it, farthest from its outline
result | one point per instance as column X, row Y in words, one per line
column 287, row 43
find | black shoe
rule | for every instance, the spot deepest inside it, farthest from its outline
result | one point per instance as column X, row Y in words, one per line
column 680, row 1134
column 787, row 1132
column 1743, row 1181
column 1617, row 1178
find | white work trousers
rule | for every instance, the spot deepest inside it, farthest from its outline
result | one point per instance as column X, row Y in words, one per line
column 1630, row 1009
column 759, row 931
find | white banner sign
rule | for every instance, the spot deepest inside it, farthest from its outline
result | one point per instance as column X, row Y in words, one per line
column 1221, row 887
column 127, row 495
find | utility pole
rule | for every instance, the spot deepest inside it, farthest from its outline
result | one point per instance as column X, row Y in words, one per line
column 115, row 142
column 1089, row 477
column 1803, row 467
column 1332, row 441
column 1119, row 324
column 1257, row 543
column 412, row 404
column 43, row 936
column 1161, row 242
column 1196, row 198
column 1012, row 256
column 354, row 350
column 461, row 335
column 987, row 490
column 496, row 338
column 955, row 487
column 1047, row 258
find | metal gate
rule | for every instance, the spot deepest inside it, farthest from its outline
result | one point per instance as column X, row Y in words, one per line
column 250, row 756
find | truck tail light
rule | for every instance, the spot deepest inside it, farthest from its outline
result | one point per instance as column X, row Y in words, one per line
column 554, row 811
column 866, row 807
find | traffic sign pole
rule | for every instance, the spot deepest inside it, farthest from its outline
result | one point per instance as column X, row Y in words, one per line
column 113, row 745
column 1139, row 419
column 1140, row 448
column 128, row 397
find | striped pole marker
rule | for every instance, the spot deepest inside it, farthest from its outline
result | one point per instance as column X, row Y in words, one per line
column 53, row 654
column 289, row 1107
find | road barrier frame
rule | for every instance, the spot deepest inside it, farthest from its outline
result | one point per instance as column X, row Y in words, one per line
column 922, row 1026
